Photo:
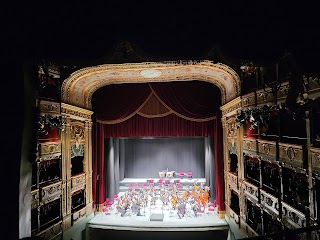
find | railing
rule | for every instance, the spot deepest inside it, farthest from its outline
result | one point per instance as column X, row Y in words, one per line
column 311, row 232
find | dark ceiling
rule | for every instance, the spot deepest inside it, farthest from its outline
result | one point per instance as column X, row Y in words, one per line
column 243, row 31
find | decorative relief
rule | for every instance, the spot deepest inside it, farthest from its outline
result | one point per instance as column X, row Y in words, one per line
column 283, row 91
column 49, row 148
column 248, row 100
column 292, row 217
column 249, row 144
column 74, row 90
column 231, row 107
column 78, row 215
column 77, row 134
column 50, row 157
column 251, row 191
column 269, row 202
column 315, row 156
column 74, row 111
column 290, row 153
column 51, row 232
column 231, row 130
column 313, row 83
column 267, row 147
column 78, row 182
column 34, row 199
column 51, row 192
column 264, row 97
column 233, row 181
column 49, row 107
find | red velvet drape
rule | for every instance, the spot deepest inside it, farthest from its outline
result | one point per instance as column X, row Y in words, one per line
column 218, row 156
column 168, row 126
column 98, row 178
column 193, row 99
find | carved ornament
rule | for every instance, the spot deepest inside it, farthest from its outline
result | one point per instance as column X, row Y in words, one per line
column 51, row 192
column 51, row 232
column 49, row 107
column 49, row 148
column 292, row 217
column 231, row 107
column 75, row 112
column 77, row 134
column 79, row 87
column 34, row 199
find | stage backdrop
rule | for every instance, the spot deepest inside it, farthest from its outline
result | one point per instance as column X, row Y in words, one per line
column 144, row 158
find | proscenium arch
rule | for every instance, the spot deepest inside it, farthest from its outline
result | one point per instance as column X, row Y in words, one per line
column 77, row 90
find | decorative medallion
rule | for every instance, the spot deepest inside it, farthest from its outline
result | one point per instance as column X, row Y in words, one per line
column 150, row 73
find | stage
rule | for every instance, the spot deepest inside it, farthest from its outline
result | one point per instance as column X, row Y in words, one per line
column 158, row 218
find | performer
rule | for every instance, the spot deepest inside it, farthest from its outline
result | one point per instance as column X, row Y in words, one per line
column 195, row 208
column 165, row 197
column 135, row 208
column 181, row 208
column 152, row 194
column 174, row 200
column 123, row 205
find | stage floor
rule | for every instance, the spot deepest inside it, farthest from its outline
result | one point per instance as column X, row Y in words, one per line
column 207, row 221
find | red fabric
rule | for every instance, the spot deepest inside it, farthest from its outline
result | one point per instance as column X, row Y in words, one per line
column 168, row 126
column 52, row 136
column 218, row 156
column 98, row 186
column 118, row 101
column 194, row 99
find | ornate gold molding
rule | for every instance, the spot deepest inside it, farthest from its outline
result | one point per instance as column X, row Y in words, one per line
column 49, row 148
column 291, row 154
column 77, row 133
column 269, row 202
column 248, row 100
column 292, row 218
column 35, row 199
column 78, row 182
column 231, row 107
column 79, row 87
column 51, row 192
column 75, row 112
column 251, row 191
column 267, row 149
column 49, row 107
column 315, row 156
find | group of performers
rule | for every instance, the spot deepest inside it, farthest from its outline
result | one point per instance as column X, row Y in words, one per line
column 197, row 196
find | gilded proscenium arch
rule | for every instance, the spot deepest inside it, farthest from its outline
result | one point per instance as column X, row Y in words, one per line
column 78, row 89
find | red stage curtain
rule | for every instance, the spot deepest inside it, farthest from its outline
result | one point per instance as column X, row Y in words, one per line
column 98, row 178
column 168, row 126
column 118, row 101
column 193, row 99
column 218, row 156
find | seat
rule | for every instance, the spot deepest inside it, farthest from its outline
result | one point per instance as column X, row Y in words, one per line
column 162, row 175
column 107, row 206
column 160, row 181
column 169, row 174
column 189, row 174
column 166, row 182
column 181, row 174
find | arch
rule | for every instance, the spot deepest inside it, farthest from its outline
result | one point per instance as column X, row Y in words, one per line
column 78, row 89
